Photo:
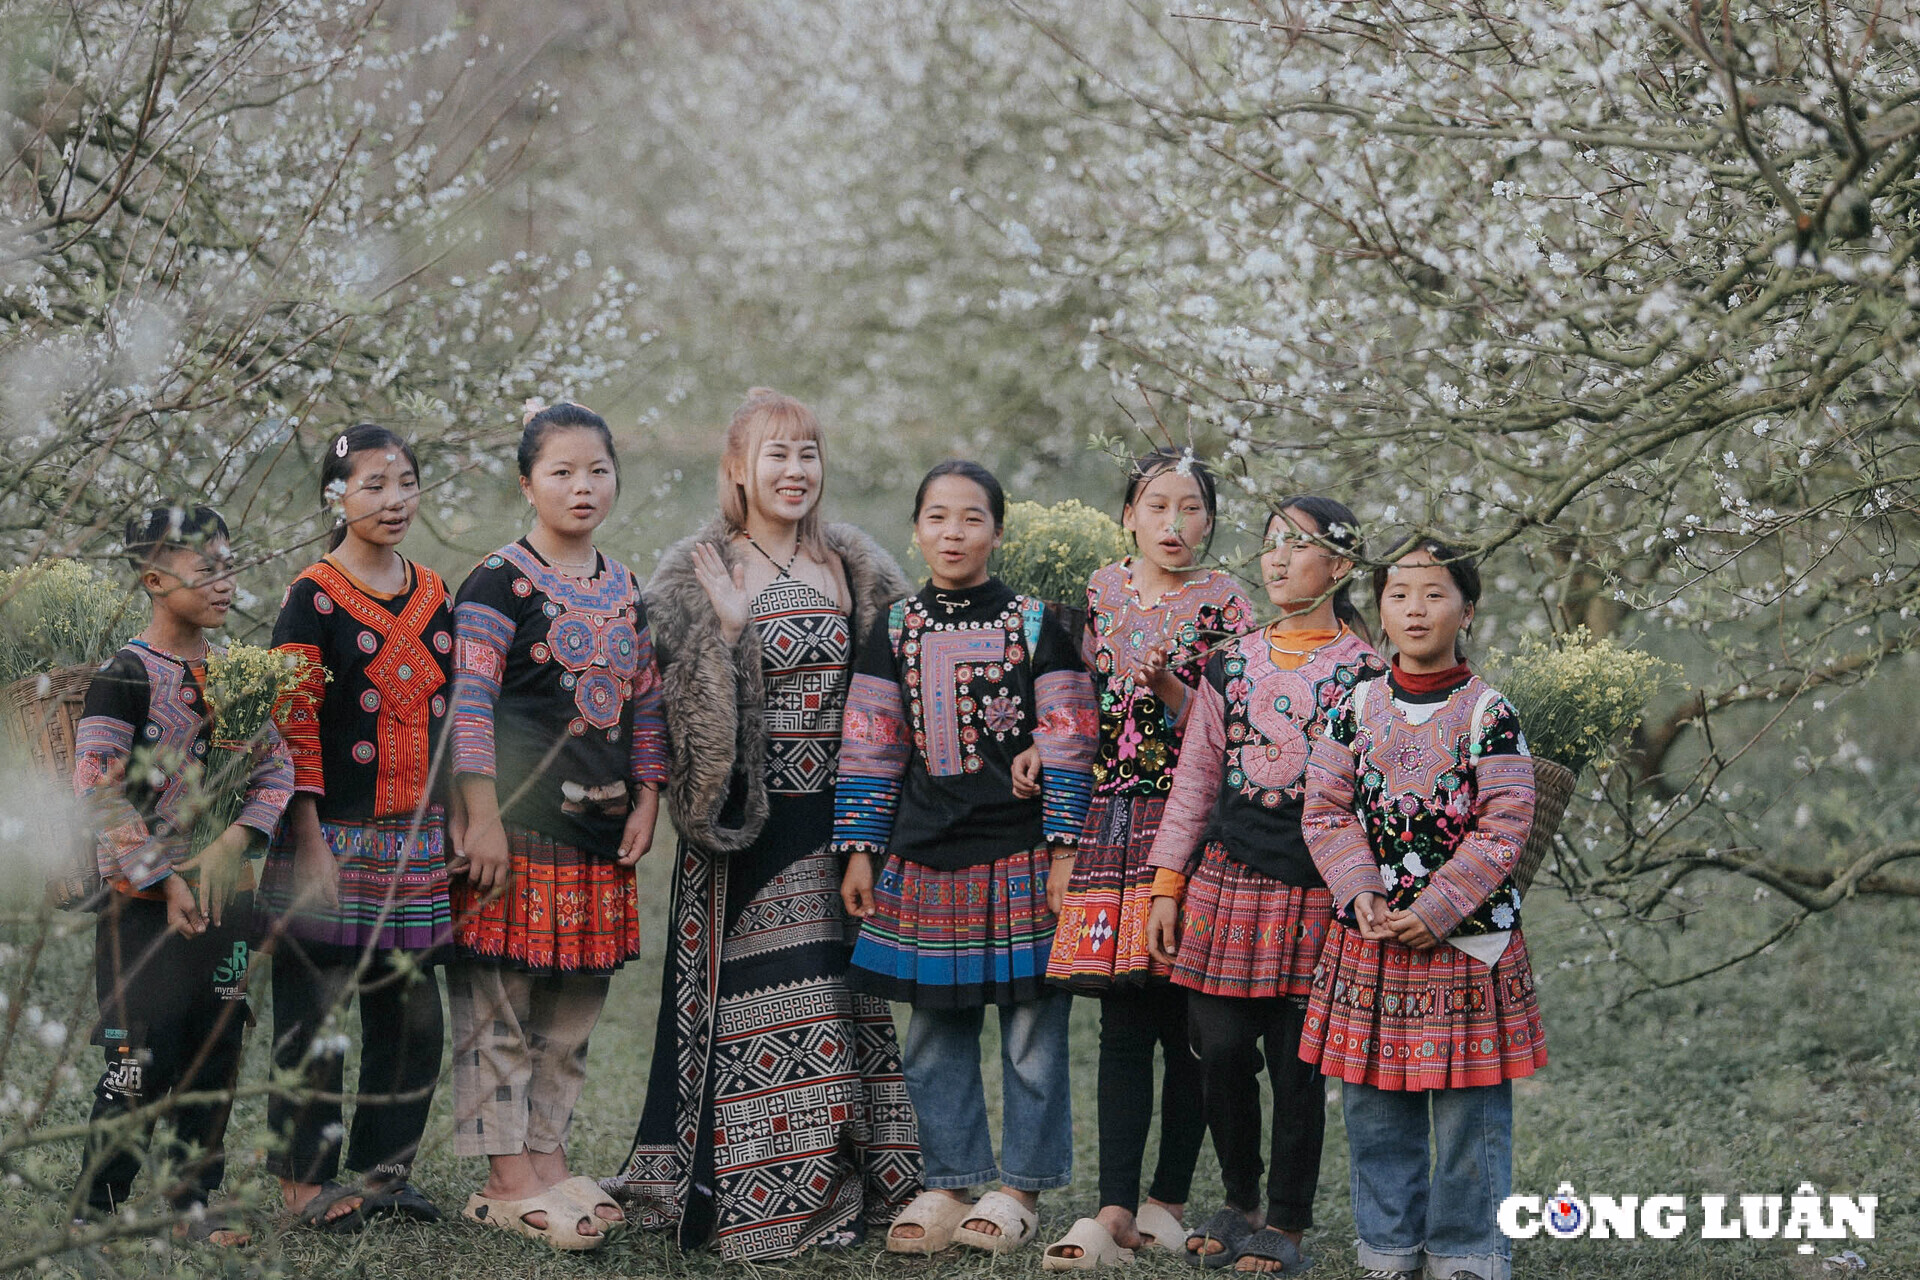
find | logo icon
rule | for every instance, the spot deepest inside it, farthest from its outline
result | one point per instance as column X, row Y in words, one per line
column 1566, row 1213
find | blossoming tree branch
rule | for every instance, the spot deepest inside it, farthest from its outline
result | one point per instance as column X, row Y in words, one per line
column 1624, row 293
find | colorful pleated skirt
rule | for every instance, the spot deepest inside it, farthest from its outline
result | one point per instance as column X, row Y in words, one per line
column 957, row 939
column 390, row 882
column 563, row 911
column 1101, row 941
column 1248, row 935
column 1395, row 1018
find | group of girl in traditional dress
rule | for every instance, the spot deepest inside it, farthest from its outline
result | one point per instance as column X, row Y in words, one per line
column 1255, row 845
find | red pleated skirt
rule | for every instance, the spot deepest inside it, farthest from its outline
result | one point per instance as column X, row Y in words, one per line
column 1388, row 1016
column 1248, row 935
column 563, row 911
column 1101, row 940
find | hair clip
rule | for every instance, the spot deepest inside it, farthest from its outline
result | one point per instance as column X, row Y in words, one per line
column 530, row 409
column 340, row 446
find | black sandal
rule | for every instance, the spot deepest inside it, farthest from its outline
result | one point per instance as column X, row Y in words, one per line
column 1269, row 1245
column 331, row 1193
column 398, row 1200
column 1229, row 1227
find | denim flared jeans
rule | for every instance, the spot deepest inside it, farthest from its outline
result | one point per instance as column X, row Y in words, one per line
column 1448, row 1219
column 942, row 1061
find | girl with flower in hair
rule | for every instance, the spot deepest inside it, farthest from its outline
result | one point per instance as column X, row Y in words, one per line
column 1239, row 910
column 950, row 871
column 1419, row 799
column 559, row 746
column 357, row 876
column 755, row 620
column 1152, row 619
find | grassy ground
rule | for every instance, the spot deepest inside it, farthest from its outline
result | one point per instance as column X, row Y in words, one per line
column 1800, row 1065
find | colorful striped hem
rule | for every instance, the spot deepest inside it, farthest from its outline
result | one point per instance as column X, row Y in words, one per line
column 957, row 939
column 391, row 881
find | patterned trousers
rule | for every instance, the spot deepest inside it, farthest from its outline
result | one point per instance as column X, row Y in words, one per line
column 519, row 1055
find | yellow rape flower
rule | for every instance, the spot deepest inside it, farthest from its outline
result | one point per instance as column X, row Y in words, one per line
column 1577, row 696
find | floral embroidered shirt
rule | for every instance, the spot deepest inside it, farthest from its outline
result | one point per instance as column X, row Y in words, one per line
column 1139, row 736
column 1425, row 798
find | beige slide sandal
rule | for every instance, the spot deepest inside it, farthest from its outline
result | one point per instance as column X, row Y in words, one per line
column 936, row 1214
column 1159, row 1228
column 586, row 1194
column 563, row 1219
column 1017, row 1224
column 1096, row 1246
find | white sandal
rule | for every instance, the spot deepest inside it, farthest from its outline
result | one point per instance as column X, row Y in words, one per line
column 563, row 1219
column 1017, row 1224
column 586, row 1194
column 1096, row 1246
column 1159, row 1229
column 936, row 1214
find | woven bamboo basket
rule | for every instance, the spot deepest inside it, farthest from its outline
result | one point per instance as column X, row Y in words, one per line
column 1552, row 789
column 44, row 713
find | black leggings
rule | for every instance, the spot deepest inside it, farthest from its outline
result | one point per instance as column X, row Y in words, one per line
column 1132, row 1023
column 1227, row 1031
column 400, row 1038
column 172, row 1011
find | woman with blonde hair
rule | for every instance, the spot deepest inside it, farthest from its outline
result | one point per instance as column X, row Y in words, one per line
column 776, row 1118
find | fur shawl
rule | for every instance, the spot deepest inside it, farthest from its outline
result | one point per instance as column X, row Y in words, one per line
column 716, row 723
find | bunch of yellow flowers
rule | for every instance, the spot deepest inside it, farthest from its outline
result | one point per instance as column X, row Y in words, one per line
column 243, row 684
column 60, row 613
column 1578, row 697
column 1050, row 552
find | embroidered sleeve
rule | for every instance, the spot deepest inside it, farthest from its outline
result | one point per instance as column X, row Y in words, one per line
column 649, row 741
column 1066, row 731
column 1335, row 834
column 1502, row 815
column 482, row 637
column 270, row 786
column 103, row 748
column 297, row 714
column 1196, row 784
column 876, row 744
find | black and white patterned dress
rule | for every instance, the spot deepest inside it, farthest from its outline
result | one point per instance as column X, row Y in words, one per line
column 776, row 1114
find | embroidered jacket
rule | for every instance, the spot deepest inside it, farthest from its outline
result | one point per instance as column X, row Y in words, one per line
column 1243, row 771
column 1139, row 737
column 948, row 689
column 364, row 741
column 146, row 714
column 557, row 694
column 1425, row 798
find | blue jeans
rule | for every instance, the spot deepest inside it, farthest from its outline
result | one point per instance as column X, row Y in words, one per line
column 942, row 1061
column 1449, row 1220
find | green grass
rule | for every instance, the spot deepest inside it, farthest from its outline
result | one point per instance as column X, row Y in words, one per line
column 1799, row 1065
